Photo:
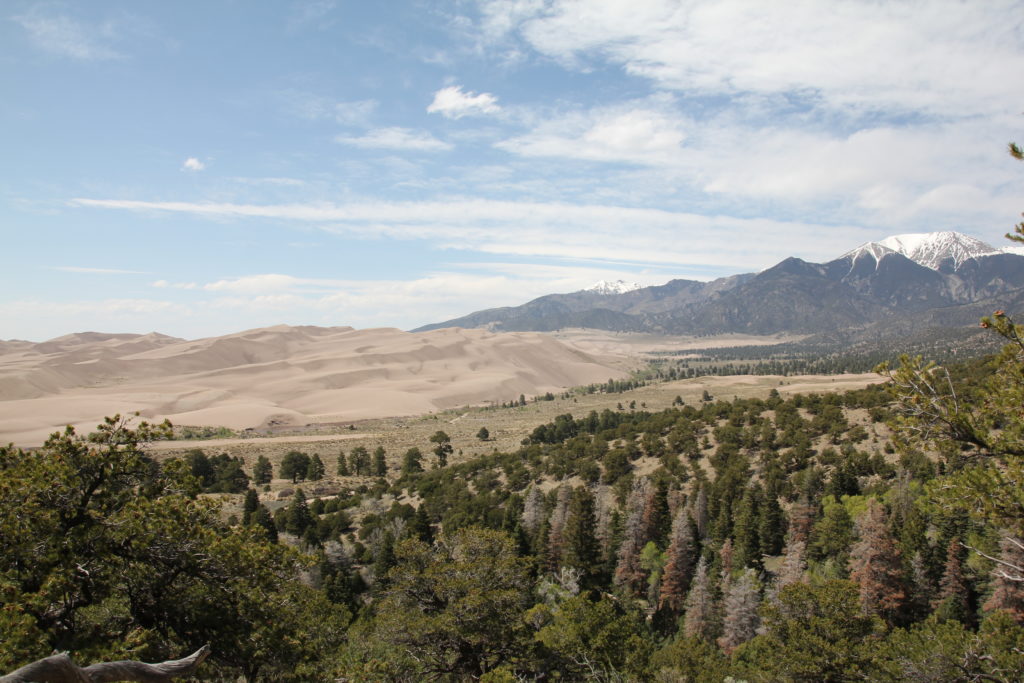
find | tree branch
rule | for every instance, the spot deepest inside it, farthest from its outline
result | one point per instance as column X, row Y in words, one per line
column 61, row 668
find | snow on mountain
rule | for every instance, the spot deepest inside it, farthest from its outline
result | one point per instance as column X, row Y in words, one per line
column 873, row 248
column 929, row 249
column 616, row 287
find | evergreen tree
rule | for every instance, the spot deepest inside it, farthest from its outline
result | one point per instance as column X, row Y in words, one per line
column 359, row 461
column 556, row 528
column 343, row 470
column 411, row 461
column 581, row 548
column 922, row 590
column 483, row 434
column 249, row 506
column 876, row 566
column 384, row 559
column 1007, row 581
column 380, row 463
column 263, row 519
column 741, row 621
column 294, row 466
column 533, row 509
column 262, row 471
column 299, row 517
column 832, row 536
column 443, row 448
column 657, row 522
column 679, row 565
column 700, row 621
column 420, row 527
column 772, row 527
column 953, row 599
column 794, row 564
column 746, row 528
column 315, row 470
column 629, row 573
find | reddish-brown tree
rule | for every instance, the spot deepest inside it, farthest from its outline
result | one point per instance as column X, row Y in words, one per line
column 678, row 569
column 877, row 569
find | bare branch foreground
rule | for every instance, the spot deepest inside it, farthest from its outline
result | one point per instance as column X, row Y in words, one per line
column 61, row 668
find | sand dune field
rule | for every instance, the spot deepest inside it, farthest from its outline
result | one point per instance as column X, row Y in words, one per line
column 278, row 375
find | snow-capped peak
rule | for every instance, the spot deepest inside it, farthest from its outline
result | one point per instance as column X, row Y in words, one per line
column 617, row 287
column 929, row 249
column 873, row 248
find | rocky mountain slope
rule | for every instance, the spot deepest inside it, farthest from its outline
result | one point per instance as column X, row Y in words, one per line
column 900, row 275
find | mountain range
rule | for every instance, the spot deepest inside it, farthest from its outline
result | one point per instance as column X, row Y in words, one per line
column 937, row 274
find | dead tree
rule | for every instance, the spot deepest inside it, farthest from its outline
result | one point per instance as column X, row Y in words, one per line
column 60, row 668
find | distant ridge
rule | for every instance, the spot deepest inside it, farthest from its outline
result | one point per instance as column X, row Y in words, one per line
column 899, row 275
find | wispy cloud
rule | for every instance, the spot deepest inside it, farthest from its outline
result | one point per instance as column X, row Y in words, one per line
column 404, row 139
column 98, row 271
column 192, row 164
column 688, row 241
column 454, row 103
column 62, row 35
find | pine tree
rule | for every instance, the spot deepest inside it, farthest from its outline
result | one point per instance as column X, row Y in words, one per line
column 582, row 551
column 629, row 573
column 1007, row 581
column 262, row 518
column 876, row 566
column 249, row 506
column 679, row 567
column 700, row 619
column 443, row 448
column 262, row 471
column 315, row 470
column 794, row 564
column 380, row 463
column 533, row 509
column 700, row 511
column 953, row 599
column 772, row 527
column 746, row 526
column 922, row 589
column 556, row 528
column 411, row 461
column 299, row 517
column 343, row 470
column 359, row 461
column 741, row 620
column 656, row 520
column 420, row 527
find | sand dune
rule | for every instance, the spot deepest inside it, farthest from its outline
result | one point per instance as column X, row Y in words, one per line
column 291, row 375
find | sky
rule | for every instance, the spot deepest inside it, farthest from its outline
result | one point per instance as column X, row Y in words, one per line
column 198, row 168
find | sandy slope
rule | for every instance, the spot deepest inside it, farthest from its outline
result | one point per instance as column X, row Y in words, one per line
column 295, row 375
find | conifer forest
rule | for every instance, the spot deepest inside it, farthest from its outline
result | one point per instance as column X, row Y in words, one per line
column 876, row 534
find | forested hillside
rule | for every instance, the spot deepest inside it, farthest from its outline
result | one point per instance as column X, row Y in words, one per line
column 872, row 535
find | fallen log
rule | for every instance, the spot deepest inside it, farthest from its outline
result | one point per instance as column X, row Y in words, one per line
column 60, row 668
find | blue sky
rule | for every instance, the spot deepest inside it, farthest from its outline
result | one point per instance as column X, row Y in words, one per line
column 199, row 168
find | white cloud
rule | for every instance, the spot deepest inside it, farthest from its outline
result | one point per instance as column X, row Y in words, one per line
column 64, row 36
column 944, row 57
column 164, row 284
column 395, row 138
column 615, row 234
column 192, row 164
column 453, row 103
column 632, row 133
